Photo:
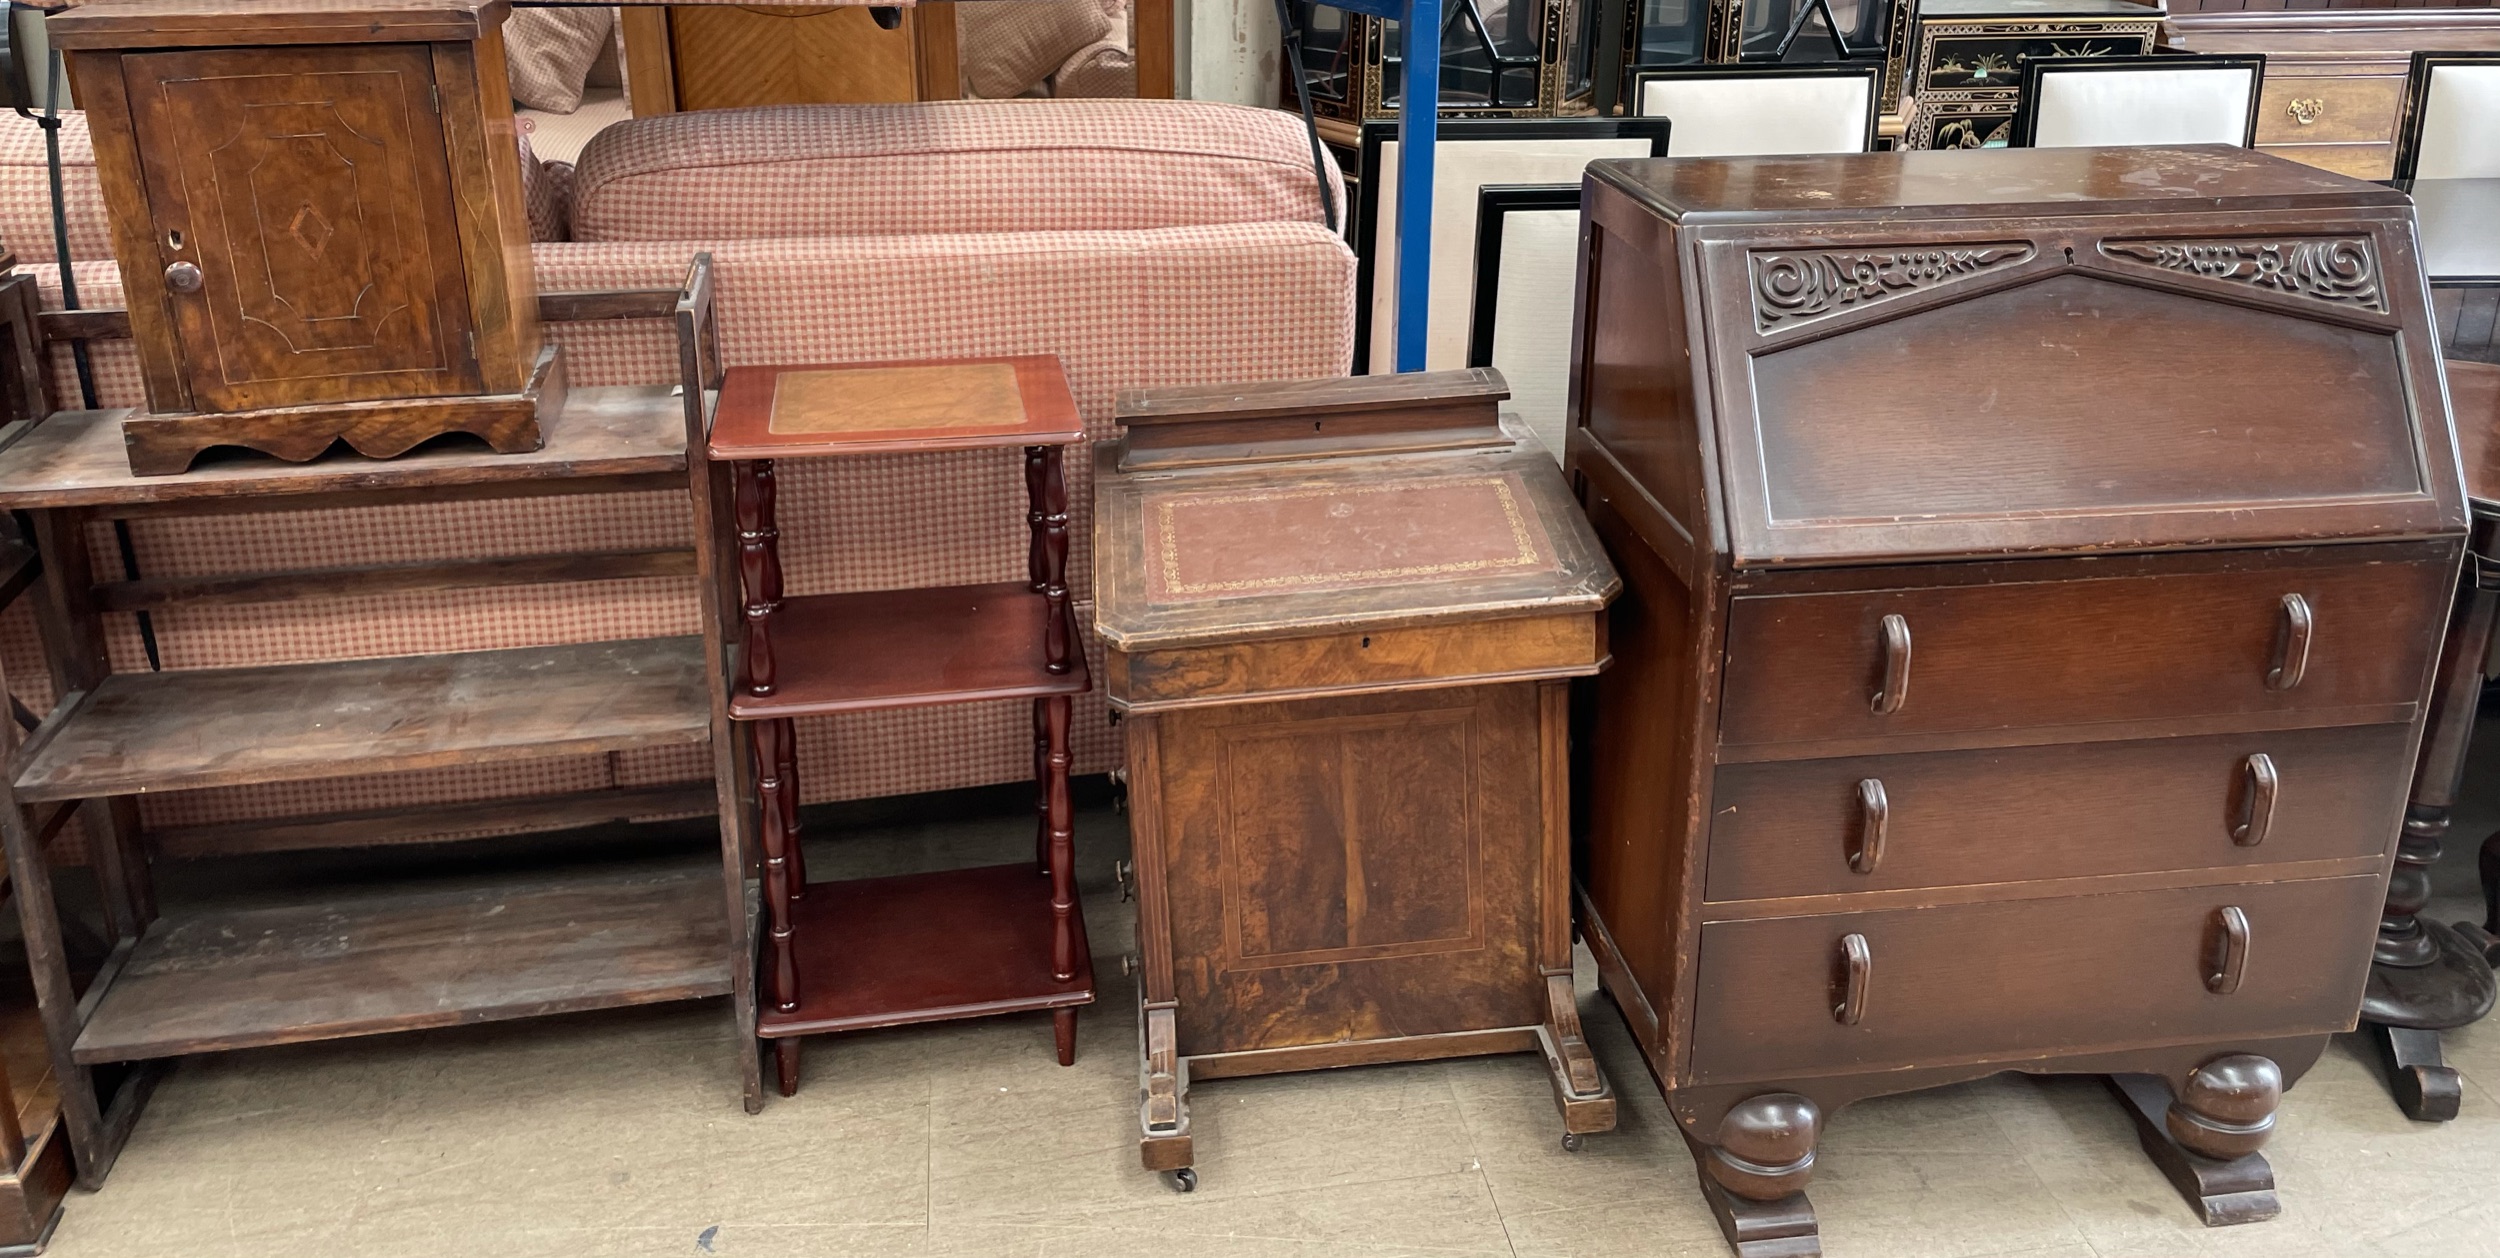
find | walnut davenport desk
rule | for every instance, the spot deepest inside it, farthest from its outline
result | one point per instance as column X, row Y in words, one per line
column 2060, row 722
column 1342, row 619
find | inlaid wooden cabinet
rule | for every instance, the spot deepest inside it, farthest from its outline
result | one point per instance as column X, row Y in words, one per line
column 305, row 191
column 319, row 223
column 2035, row 563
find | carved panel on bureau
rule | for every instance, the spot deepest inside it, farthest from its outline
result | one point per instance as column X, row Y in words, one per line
column 1793, row 288
column 308, row 189
column 2330, row 269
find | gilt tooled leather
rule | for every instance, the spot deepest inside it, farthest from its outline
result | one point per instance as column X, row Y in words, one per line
column 1230, row 543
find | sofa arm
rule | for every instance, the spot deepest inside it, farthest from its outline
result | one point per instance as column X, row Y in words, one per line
column 945, row 167
column 26, row 191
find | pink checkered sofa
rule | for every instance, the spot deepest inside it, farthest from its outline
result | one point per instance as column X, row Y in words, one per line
column 1146, row 243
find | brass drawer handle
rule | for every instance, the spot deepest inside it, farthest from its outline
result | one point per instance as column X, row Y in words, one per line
column 2226, row 950
column 2291, row 644
column 1857, row 962
column 2306, row 109
column 2259, row 781
column 1896, row 685
column 1874, row 813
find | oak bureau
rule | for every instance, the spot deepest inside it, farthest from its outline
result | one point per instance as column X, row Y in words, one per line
column 2035, row 563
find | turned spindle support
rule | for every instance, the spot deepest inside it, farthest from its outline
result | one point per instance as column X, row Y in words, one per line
column 789, row 771
column 759, row 570
column 1050, row 525
column 1063, row 908
column 781, row 971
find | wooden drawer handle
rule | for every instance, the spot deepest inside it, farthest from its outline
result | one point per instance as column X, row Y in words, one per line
column 1874, row 813
column 1857, row 963
column 2226, row 950
column 2291, row 644
column 1896, row 685
column 2258, row 782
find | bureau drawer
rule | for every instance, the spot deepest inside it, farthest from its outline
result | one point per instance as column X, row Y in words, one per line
column 2009, row 980
column 1952, row 818
column 1978, row 660
column 2340, row 109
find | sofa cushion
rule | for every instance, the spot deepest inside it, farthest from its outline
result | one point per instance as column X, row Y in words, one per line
column 1010, row 46
column 943, row 167
column 549, row 52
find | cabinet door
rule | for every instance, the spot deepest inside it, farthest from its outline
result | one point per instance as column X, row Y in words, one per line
column 1355, row 868
column 311, row 189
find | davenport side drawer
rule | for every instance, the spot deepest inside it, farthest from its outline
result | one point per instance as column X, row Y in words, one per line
column 1977, row 659
column 2009, row 980
column 1951, row 818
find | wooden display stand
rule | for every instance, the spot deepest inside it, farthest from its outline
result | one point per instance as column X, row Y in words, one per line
column 369, row 962
column 1343, row 616
column 2056, row 727
column 319, row 223
column 34, row 1150
column 848, row 956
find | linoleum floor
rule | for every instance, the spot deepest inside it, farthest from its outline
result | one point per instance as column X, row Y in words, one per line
column 621, row 1134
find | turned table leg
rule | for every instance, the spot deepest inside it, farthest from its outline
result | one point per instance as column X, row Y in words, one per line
column 2425, row 977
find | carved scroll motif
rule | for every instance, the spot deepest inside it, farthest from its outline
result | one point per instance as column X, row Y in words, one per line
column 2342, row 270
column 1791, row 288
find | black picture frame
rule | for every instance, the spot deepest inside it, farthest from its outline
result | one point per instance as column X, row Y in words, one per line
column 2027, row 102
column 2417, row 102
column 1872, row 72
column 1493, row 201
column 1366, row 218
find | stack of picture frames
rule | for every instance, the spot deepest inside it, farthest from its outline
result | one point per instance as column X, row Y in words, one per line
column 1519, row 180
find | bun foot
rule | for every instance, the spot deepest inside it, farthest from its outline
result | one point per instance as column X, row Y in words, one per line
column 1754, row 1177
column 2220, row 1109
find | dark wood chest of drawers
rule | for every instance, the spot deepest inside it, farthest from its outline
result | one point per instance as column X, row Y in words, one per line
column 2335, row 78
column 2034, row 562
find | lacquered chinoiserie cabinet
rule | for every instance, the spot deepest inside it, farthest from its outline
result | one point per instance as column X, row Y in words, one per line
column 318, row 216
column 1342, row 617
column 2035, row 563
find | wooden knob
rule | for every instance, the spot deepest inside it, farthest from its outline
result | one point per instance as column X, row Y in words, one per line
column 182, row 277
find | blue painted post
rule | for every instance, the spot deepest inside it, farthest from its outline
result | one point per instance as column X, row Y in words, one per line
column 1419, row 116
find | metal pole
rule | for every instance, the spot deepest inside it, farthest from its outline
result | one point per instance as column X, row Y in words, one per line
column 1419, row 116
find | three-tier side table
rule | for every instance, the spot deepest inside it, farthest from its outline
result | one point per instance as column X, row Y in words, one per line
column 875, row 952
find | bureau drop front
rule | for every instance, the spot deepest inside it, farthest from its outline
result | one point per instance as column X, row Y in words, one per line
column 2034, row 567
